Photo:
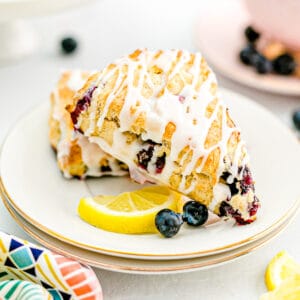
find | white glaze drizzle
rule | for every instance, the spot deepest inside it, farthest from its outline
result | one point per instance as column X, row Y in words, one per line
column 159, row 112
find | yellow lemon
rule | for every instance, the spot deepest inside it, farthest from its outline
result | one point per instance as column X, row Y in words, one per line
column 288, row 290
column 129, row 212
column 280, row 268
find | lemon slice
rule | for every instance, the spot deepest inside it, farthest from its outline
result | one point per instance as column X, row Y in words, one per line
column 130, row 212
column 288, row 290
column 280, row 268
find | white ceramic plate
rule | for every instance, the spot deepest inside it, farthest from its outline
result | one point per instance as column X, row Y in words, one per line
column 219, row 36
column 139, row 266
column 37, row 190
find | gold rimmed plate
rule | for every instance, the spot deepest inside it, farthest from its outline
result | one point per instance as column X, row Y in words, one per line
column 33, row 185
column 140, row 266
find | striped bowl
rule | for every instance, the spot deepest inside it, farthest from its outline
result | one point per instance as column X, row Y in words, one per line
column 28, row 270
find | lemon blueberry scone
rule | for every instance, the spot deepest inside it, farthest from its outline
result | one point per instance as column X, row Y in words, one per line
column 161, row 113
column 76, row 156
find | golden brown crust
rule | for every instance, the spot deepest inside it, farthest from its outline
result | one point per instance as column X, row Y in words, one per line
column 130, row 109
column 73, row 162
column 174, row 84
column 64, row 139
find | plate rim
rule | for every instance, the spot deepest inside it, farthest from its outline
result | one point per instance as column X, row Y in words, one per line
column 150, row 256
column 144, row 270
column 133, row 255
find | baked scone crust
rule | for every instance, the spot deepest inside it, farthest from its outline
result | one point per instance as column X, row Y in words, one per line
column 76, row 156
column 161, row 113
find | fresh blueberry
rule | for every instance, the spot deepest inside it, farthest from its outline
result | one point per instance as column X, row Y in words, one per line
column 246, row 55
column 284, row 64
column 251, row 34
column 296, row 119
column 261, row 64
column 68, row 45
column 195, row 213
column 168, row 222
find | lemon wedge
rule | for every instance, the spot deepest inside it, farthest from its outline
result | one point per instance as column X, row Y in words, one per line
column 280, row 268
column 288, row 290
column 129, row 212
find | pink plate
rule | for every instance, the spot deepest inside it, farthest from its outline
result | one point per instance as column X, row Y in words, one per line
column 219, row 36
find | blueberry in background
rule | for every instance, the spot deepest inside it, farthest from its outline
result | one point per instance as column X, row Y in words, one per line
column 296, row 119
column 246, row 54
column 261, row 64
column 284, row 64
column 251, row 34
column 168, row 222
column 68, row 45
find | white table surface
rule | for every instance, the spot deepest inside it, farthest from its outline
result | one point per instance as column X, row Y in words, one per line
column 107, row 29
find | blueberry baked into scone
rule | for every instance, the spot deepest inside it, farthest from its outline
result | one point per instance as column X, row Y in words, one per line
column 76, row 156
column 161, row 114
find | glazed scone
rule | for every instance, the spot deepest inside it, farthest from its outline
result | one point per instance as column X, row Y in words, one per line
column 76, row 156
column 161, row 113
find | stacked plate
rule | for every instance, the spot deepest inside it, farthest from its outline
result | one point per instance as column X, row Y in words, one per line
column 45, row 204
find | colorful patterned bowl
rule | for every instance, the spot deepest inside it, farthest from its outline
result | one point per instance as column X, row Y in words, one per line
column 28, row 271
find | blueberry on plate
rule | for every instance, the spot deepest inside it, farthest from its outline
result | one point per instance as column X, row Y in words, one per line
column 284, row 64
column 261, row 64
column 194, row 213
column 168, row 222
column 246, row 54
column 296, row 119
column 251, row 34
column 68, row 45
